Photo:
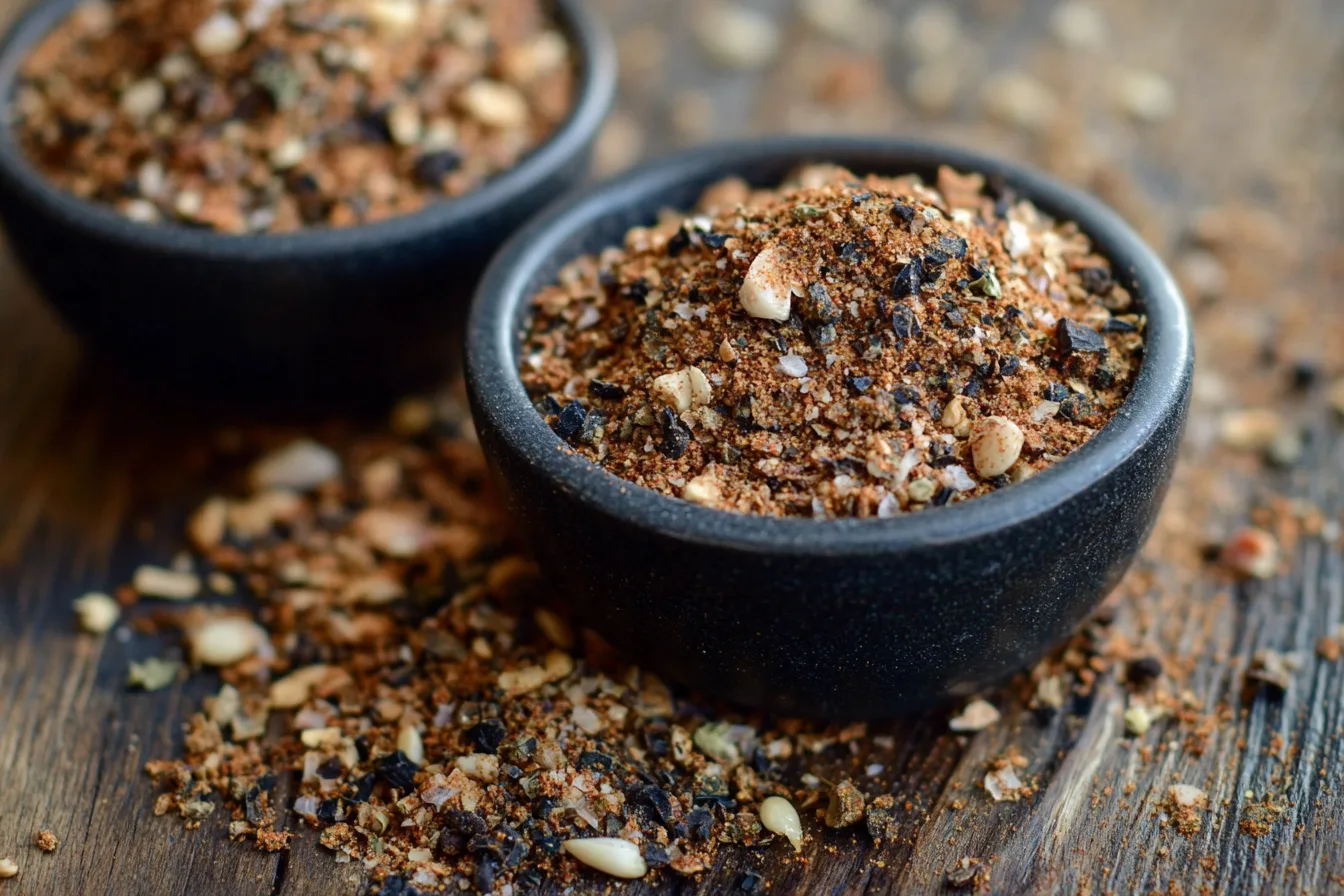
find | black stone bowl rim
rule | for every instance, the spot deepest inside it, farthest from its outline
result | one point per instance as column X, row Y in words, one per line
column 504, row 290
column 595, row 89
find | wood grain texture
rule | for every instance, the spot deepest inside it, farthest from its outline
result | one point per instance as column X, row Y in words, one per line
column 95, row 477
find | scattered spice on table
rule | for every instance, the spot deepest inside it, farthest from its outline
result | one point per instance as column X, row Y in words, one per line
column 841, row 346
column 444, row 724
column 46, row 841
column 260, row 117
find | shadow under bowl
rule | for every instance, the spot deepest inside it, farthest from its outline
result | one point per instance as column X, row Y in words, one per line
column 852, row 618
column 320, row 316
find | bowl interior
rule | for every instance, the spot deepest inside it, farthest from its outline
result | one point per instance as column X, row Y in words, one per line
column 600, row 218
column 594, row 91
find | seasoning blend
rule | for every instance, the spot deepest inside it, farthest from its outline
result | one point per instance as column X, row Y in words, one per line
column 835, row 347
column 258, row 117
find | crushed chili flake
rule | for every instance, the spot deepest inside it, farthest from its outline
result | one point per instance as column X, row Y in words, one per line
column 838, row 346
column 260, row 117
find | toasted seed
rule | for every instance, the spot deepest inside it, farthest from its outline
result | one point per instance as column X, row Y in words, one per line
column 673, row 390
column 996, row 443
column 142, row 99
column 738, row 36
column 1138, row 720
column 764, row 293
column 480, row 766
column 1251, row 553
column 208, row 524
column 225, row 641
column 301, row 465
column 217, row 35
column 294, row 689
column 977, row 716
column 8, row 868
column 410, row 743
column 610, row 855
column 97, row 612
column 155, row 581
column 495, row 104
column 702, row 490
column 779, row 817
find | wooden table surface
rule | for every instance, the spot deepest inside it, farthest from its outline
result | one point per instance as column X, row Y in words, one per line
column 95, row 478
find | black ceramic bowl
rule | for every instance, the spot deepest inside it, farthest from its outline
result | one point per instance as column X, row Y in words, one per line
column 842, row 618
column 303, row 316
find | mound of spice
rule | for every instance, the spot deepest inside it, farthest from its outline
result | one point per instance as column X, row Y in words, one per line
column 836, row 347
column 270, row 116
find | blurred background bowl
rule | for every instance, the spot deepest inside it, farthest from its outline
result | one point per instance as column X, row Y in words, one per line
column 312, row 318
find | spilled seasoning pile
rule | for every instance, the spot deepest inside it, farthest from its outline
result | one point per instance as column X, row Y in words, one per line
column 439, row 729
column 267, row 116
column 836, row 347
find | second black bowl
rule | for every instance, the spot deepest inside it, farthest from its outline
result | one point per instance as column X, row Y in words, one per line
column 321, row 316
column 838, row 618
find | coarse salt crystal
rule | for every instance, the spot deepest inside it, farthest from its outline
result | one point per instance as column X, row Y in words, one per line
column 956, row 477
column 219, row 34
column 793, row 365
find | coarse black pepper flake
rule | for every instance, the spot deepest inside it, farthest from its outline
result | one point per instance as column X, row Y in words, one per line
column 676, row 437
column 1116, row 325
column 606, row 391
column 464, row 822
column 637, row 290
column 654, row 798
column 592, row 760
column 1056, row 392
column 858, row 385
column 904, row 323
column 1305, row 373
column 1009, row 365
column 750, row 882
column 850, row 251
column 700, row 823
column 655, row 856
column 905, row 395
column 569, row 422
column 326, row 811
column 1141, row 670
column 953, row 245
column 432, row 168
column 487, row 735
column 1077, row 408
column 818, row 306
column 714, row 800
column 679, row 242
column 396, row 770
column 935, row 258
column 1097, row 281
column 1075, row 338
column 943, row 495
column 909, row 278
column 903, row 212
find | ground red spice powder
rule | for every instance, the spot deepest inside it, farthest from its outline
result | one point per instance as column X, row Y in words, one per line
column 840, row 346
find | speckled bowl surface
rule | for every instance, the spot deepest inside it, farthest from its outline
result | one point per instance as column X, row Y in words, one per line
column 313, row 316
column 841, row 618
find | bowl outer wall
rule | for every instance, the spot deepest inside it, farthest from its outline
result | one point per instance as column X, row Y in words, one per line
column 377, row 307
column 845, row 618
